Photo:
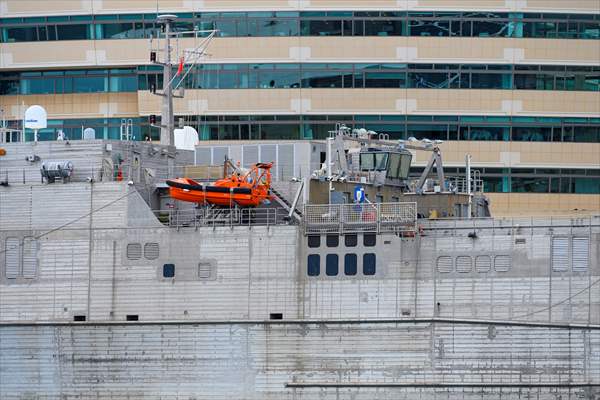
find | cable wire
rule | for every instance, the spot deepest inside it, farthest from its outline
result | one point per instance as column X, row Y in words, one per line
column 560, row 302
column 60, row 227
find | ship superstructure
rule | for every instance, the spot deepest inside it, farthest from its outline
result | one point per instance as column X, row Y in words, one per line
column 102, row 297
column 110, row 289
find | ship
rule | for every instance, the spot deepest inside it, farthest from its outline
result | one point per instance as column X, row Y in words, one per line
column 405, row 289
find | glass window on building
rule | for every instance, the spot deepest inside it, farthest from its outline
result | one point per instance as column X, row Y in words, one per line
column 90, row 84
column 73, row 32
column 586, row 185
column 428, row 27
column 383, row 28
column 322, row 79
column 321, row 28
column 530, row 184
column 532, row 134
column 490, row 28
column 28, row 34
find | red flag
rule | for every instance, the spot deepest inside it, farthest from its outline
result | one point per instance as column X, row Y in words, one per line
column 180, row 69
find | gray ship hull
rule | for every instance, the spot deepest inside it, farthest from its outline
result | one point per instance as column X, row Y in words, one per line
column 463, row 310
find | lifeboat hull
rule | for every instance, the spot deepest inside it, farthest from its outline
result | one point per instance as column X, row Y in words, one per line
column 191, row 191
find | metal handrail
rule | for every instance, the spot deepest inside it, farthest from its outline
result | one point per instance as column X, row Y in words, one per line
column 352, row 218
column 206, row 216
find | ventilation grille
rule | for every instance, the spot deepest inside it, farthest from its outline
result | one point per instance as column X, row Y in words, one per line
column 30, row 261
column 560, row 254
column 483, row 263
column 205, row 271
column 444, row 264
column 134, row 251
column 151, row 251
column 502, row 263
column 581, row 254
column 464, row 264
column 12, row 251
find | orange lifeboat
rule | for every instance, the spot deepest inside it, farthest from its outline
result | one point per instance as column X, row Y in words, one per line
column 242, row 188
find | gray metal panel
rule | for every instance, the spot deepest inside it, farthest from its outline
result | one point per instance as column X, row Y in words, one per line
column 12, row 254
column 257, row 361
column 560, row 253
column 581, row 254
column 444, row 264
column 464, row 264
column 30, row 257
column 15, row 207
column 268, row 153
column 502, row 263
column 249, row 155
column 151, row 251
column 483, row 263
column 203, row 156
column 134, row 251
column 218, row 155
column 285, row 168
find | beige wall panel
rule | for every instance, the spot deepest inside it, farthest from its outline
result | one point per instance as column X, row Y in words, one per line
column 11, row 8
column 81, row 105
column 564, row 5
column 556, row 102
column 353, row 4
column 540, row 204
column 558, row 51
column 14, row 8
column 395, row 101
column 462, row 4
column 519, row 154
column 308, row 49
column 358, row 48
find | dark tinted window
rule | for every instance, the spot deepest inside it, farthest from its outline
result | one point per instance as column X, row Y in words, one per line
column 168, row 270
column 369, row 261
column 350, row 240
column 314, row 241
column 72, row 32
column 333, row 240
column 350, row 264
column 314, row 265
column 369, row 240
column 331, row 267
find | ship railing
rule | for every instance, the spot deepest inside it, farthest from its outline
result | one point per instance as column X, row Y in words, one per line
column 518, row 224
column 215, row 217
column 32, row 175
column 354, row 218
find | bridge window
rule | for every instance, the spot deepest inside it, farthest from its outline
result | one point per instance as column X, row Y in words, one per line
column 369, row 240
column 314, row 241
column 169, row 271
column 369, row 262
column 351, row 240
column 350, row 264
column 314, row 265
column 331, row 264
column 333, row 240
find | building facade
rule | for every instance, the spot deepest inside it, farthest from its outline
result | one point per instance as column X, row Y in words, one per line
column 515, row 83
